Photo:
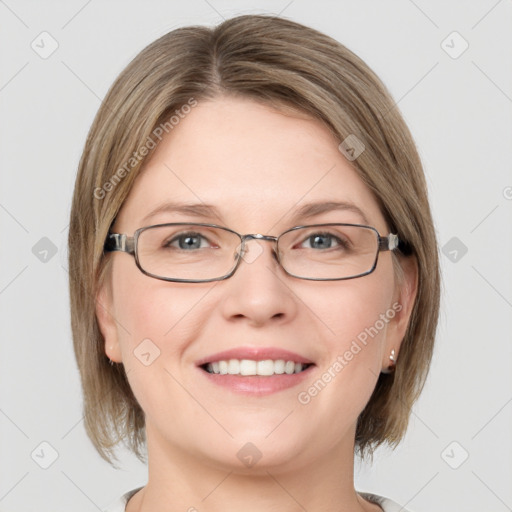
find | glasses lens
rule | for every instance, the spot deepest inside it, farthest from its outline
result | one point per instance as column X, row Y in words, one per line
column 187, row 251
column 328, row 251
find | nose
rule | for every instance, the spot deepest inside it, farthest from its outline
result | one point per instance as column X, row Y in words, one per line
column 259, row 292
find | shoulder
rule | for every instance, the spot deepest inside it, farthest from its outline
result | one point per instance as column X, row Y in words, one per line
column 385, row 503
column 120, row 504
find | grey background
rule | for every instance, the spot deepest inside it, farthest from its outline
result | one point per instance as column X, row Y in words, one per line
column 459, row 111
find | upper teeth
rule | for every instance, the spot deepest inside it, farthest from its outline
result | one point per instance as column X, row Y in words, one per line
column 250, row 367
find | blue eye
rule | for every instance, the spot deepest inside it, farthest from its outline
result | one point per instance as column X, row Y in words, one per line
column 322, row 241
column 188, row 241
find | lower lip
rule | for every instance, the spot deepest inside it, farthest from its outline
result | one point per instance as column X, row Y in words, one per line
column 258, row 385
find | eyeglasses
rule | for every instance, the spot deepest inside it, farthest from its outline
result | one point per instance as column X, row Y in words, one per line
column 199, row 253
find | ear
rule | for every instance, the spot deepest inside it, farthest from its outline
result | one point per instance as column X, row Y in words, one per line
column 107, row 323
column 406, row 288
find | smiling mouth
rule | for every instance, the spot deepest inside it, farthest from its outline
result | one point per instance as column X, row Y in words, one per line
column 250, row 367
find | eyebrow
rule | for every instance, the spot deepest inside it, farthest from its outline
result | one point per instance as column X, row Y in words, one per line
column 313, row 209
column 192, row 209
column 307, row 211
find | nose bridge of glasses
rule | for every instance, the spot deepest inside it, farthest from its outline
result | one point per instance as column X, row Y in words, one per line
column 255, row 236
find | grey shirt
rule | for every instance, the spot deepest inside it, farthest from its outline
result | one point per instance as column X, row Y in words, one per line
column 386, row 504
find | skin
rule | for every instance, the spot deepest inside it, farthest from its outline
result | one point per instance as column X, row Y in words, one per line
column 256, row 166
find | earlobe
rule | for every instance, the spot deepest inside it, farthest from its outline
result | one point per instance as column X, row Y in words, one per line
column 404, row 299
column 107, row 324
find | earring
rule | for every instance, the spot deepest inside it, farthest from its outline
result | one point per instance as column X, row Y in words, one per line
column 392, row 364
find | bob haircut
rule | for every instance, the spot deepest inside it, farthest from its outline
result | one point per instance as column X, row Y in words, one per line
column 289, row 67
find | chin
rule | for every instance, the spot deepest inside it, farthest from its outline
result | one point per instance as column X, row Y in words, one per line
column 257, row 451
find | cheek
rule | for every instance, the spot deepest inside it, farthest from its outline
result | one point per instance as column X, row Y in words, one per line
column 354, row 316
column 349, row 309
column 155, row 323
column 154, row 309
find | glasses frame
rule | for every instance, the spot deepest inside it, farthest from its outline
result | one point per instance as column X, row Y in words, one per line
column 129, row 244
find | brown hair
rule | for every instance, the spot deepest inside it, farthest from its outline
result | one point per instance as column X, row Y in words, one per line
column 283, row 64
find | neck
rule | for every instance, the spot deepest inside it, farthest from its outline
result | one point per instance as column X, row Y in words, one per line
column 179, row 482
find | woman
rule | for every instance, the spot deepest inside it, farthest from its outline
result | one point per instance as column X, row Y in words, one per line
column 254, row 274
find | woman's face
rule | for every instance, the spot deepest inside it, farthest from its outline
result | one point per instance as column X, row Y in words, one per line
column 255, row 168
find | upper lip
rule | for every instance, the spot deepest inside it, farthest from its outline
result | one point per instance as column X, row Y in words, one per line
column 256, row 354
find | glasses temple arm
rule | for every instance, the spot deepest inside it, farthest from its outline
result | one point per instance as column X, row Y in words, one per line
column 388, row 243
column 118, row 242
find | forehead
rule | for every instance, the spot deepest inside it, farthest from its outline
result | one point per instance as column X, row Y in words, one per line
column 255, row 165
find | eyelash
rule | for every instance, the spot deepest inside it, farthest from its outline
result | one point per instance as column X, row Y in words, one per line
column 343, row 243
